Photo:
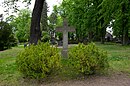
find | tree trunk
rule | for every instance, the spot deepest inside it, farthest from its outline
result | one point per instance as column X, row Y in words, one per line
column 124, row 27
column 103, row 32
column 97, row 34
column 90, row 36
column 35, row 32
column 125, row 37
column 44, row 24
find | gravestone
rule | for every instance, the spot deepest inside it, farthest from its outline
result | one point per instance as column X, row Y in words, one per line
column 65, row 29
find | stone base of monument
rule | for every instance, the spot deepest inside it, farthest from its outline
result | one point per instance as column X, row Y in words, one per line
column 64, row 53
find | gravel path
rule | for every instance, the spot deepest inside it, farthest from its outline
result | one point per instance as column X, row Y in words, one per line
column 115, row 80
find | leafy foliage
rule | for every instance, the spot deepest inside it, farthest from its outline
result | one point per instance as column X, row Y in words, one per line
column 119, row 61
column 84, row 16
column 88, row 59
column 39, row 61
column 45, row 37
column 7, row 38
column 35, row 32
column 21, row 25
column 119, row 11
column 44, row 24
column 92, row 17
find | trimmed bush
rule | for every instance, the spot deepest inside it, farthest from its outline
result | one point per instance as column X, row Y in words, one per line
column 39, row 61
column 87, row 59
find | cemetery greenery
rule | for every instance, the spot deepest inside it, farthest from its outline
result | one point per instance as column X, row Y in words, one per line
column 92, row 17
column 88, row 59
column 45, row 30
column 118, row 59
column 42, row 60
column 21, row 24
column 45, row 37
column 89, row 17
column 39, row 61
column 35, row 32
column 7, row 38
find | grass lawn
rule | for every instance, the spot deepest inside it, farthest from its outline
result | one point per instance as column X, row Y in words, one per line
column 119, row 57
column 8, row 70
column 119, row 60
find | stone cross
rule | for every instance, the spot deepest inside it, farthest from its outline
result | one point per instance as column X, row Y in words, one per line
column 65, row 29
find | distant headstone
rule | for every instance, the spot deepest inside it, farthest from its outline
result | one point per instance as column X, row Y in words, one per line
column 65, row 29
column 53, row 41
column 60, row 43
column 25, row 45
column 108, row 37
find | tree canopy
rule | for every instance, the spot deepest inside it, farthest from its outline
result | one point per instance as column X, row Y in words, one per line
column 90, row 17
column 7, row 38
column 21, row 24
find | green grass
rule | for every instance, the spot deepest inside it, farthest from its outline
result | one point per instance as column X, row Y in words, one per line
column 119, row 57
column 8, row 70
column 11, row 52
column 119, row 60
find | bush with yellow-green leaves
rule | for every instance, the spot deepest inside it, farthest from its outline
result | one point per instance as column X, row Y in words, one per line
column 87, row 59
column 39, row 61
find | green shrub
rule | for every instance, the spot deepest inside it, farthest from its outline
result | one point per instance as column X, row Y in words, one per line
column 7, row 39
column 45, row 37
column 39, row 61
column 88, row 59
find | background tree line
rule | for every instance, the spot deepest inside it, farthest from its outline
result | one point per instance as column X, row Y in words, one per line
column 19, row 24
column 90, row 18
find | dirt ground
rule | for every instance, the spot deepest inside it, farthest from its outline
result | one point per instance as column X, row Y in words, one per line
column 113, row 80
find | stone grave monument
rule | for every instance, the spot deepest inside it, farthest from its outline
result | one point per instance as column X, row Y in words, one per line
column 65, row 29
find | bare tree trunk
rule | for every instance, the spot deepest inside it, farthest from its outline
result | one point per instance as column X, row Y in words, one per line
column 90, row 36
column 44, row 23
column 35, row 32
column 125, row 37
column 103, row 32
column 124, row 27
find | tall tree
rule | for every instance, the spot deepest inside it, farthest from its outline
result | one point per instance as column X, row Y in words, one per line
column 21, row 24
column 35, row 32
column 7, row 39
column 44, row 24
column 122, row 19
column 119, row 11
column 85, row 17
